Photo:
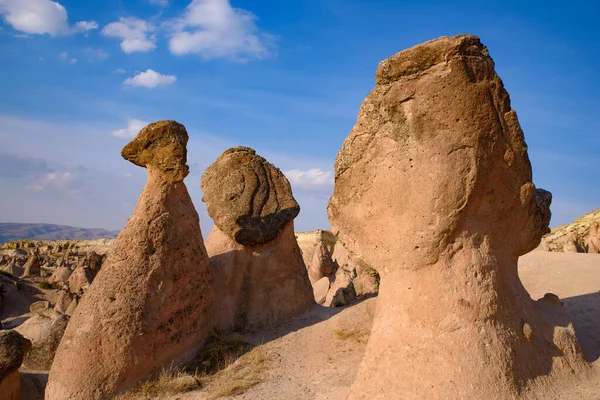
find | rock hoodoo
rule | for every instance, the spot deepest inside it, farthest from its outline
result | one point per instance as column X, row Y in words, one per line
column 150, row 305
column 433, row 189
column 257, row 264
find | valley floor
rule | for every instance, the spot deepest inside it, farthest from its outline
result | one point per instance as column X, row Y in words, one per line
column 317, row 357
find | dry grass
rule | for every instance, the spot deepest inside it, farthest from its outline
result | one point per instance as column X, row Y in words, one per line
column 226, row 365
column 219, row 352
column 170, row 382
column 247, row 372
column 349, row 334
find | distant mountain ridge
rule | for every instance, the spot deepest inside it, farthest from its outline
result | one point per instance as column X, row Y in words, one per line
column 14, row 231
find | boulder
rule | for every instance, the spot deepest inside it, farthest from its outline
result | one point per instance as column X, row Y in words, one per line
column 247, row 197
column 45, row 329
column 320, row 290
column 254, row 254
column 150, row 306
column 341, row 291
column 13, row 348
column 433, row 189
column 60, row 275
column 32, row 266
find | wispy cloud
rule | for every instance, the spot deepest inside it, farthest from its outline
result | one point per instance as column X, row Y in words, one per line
column 160, row 3
column 313, row 178
column 214, row 29
column 150, row 79
column 13, row 166
column 92, row 54
column 136, row 34
column 132, row 129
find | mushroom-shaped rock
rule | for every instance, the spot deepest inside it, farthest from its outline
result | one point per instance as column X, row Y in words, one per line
column 433, row 189
column 247, row 197
column 13, row 348
column 150, row 306
column 255, row 257
column 162, row 146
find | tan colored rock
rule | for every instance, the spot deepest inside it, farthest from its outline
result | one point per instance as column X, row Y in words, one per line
column 433, row 189
column 60, row 275
column 13, row 269
column 150, row 306
column 576, row 236
column 13, row 348
column 570, row 247
column 258, row 266
column 45, row 329
column 248, row 198
column 32, row 266
column 320, row 290
column 258, row 285
column 39, row 307
column 80, row 279
column 341, row 291
column 321, row 264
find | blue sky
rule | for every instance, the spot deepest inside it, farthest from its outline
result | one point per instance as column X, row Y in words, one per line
column 79, row 78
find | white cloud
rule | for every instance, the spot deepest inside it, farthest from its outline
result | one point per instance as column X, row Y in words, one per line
column 72, row 61
column 214, row 29
column 92, row 54
column 127, row 175
column 64, row 55
column 134, row 126
column 41, row 59
column 40, row 17
column 136, row 34
column 119, row 71
column 160, row 3
column 85, row 26
column 150, row 79
column 311, row 179
column 35, row 16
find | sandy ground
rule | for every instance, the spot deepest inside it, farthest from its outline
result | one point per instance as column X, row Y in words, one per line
column 317, row 356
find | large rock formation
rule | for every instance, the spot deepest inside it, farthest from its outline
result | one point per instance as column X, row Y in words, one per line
column 580, row 236
column 150, row 305
column 13, row 348
column 433, row 189
column 258, row 267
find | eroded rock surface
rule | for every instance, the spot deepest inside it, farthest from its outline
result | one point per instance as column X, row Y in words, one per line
column 433, row 189
column 151, row 303
column 248, row 198
column 13, row 348
column 580, row 236
column 258, row 266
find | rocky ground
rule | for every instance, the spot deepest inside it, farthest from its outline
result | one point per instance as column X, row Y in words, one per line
column 317, row 356
column 580, row 236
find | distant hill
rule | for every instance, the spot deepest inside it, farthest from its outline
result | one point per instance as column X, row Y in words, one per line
column 11, row 231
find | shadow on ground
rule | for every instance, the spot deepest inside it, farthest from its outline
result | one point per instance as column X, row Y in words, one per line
column 585, row 312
